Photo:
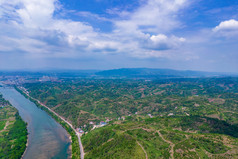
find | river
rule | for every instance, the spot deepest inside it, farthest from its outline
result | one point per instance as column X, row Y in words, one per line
column 47, row 139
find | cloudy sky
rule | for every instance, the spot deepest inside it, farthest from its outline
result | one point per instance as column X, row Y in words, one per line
column 106, row 34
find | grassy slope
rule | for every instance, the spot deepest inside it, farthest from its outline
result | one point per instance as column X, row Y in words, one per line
column 190, row 137
column 13, row 136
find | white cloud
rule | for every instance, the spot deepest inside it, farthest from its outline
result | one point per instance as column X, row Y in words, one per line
column 142, row 34
column 90, row 15
column 146, row 28
column 155, row 16
column 162, row 42
column 228, row 25
column 227, row 28
column 35, row 13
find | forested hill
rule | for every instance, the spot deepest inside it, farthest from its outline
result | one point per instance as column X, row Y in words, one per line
column 166, row 137
column 85, row 100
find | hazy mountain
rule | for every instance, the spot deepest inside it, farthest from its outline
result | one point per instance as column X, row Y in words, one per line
column 155, row 73
column 132, row 73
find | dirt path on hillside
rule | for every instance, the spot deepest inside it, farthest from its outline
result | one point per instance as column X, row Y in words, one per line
column 5, row 127
column 171, row 144
column 146, row 156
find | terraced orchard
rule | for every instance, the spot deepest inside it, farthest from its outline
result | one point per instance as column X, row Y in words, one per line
column 164, row 118
column 13, row 132
column 82, row 101
column 170, row 137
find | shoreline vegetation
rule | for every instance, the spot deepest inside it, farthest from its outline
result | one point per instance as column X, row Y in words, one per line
column 73, row 136
column 27, row 143
column 13, row 134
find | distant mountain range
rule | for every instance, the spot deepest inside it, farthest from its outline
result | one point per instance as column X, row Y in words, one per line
column 123, row 73
column 156, row 73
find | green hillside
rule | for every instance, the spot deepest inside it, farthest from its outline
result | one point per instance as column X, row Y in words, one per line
column 172, row 118
column 85, row 100
column 170, row 137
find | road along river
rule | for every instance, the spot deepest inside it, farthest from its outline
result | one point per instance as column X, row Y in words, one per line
column 47, row 139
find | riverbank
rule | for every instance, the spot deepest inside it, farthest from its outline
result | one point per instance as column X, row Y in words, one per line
column 77, row 148
column 27, row 143
column 13, row 131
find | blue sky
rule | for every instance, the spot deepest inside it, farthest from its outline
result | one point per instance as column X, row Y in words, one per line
column 107, row 34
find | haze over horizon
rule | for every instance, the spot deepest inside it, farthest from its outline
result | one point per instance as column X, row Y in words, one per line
column 109, row 34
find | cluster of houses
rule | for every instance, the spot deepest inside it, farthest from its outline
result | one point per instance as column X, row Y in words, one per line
column 80, row 130
column 121, row 118
column 150, row 115
column 170, row 114
column 101, row 124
